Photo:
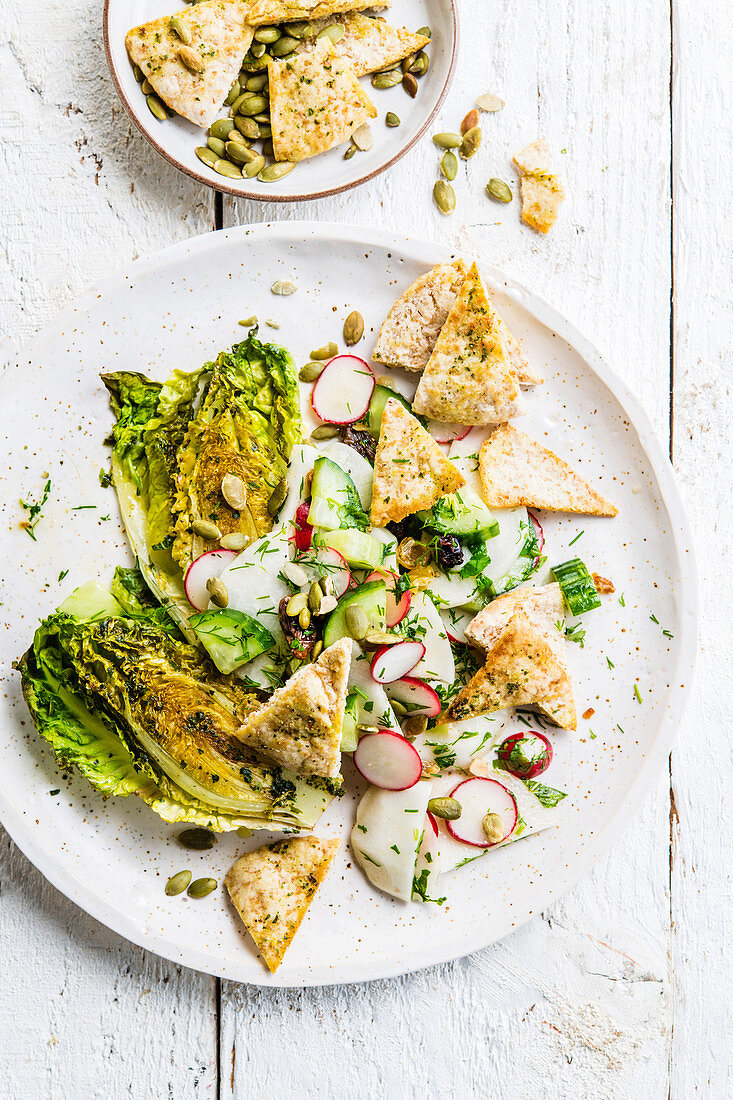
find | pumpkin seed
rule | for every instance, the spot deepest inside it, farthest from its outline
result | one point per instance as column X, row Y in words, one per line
column 249, row 128
column 233, row 93
column 381, row 638
column 265, row 130
column 218, row 592
column 176, row 884
column 277, row 496
column 310, row 372
column 334, row 32
column 471, row 142
column 409, row 83
column 226, row 168
column 315, row 652
column 257, row 82
column 445, row 197
column 197, row 839
column 469, row 121
column 239, row 152
column 300, row 29
column 315, row 595
column 325, row 431
column 296, row 604
column 216, row 146
column 390, row 68
column 157, row 108
column 258, row 50
column 295, row 573
column 242, row 124
column 221, row 128
column 353, row 328
column 254, row 167
column 284, row 47
column 192, row 60
column 392, row 119
column 419, row 64
column 357, row 622
column 304, row 618
column 200, row 887
column 362, row 137
column 250, row 104
column 424, row 32
column 248, row 322
column 258, row 64
column 235, row 540
column 449, row 164
column 407, row 61
column 178, row 27
column 283, row 287
column 387, row 80
column 326, row 352
column 493, row 828
column 234, row 491
column 489, row 102
column 267, row 35
column 138, row 73
column 350, row 152
column 447, row 140
column 327, row 605
column 414, row 726
column 499, row 190
column 273, row 172
column 448, row 808
column 205, row 530
column 206, row 155
column 146, row 87
column 363, row 729
column 398, row 707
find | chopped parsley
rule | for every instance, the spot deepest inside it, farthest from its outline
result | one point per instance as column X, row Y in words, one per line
column 33, row 508
column 420, row 887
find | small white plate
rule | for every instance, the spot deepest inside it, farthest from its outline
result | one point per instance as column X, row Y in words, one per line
column 178, row 310
column 176, row 139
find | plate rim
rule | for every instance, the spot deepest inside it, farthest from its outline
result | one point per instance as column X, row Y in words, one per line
column 257, row 196
column 133, row 929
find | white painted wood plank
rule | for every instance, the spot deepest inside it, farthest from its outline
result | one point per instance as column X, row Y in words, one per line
column 702, row 867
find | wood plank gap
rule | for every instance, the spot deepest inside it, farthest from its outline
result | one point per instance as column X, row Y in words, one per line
column 673, row 815
column 219, row 1093
column 218, row 210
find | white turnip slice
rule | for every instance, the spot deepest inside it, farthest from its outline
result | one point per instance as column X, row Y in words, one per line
column 343, row 392
column 388, row 760
column 203, row 569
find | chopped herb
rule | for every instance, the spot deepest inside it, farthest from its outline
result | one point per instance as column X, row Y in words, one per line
column 105, row 479
column 82, row 507
column 621, row 600
column 410, row 811
column 610, row 663
column 637, row 693
column 55, row 791
column 362, row 828
column 62, row 574
column 369, row 859
column 668, row 634
column 592, row 735
column 548, row 796
column 420, row 887
column 654, row 619
column 576, row 538
column 394, row 848
column 33, row 508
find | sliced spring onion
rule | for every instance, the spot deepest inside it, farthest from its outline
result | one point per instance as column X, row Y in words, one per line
column 577, row 586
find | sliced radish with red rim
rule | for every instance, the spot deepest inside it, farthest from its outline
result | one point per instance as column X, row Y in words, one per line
column 455, row 621
column 209, row 565
column 396, row 608
column 343, row 391
column 388, row 760
column 433, row 823
column 323, row 562
column 447, row 433
column 525, row 755
column 479, row 797
column 392, row 662
column 417, row 696
column 540, row 534
column 302, row 530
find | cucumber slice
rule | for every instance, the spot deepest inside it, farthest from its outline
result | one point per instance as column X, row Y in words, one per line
column 577, row 586
column 380, row 397
column 462, row 513
column 355, row 465
column 360, row 550
column 371, row 598
column 335, row 503
column 230, row 637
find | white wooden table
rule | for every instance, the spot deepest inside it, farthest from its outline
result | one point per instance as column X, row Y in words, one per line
column 618, row 990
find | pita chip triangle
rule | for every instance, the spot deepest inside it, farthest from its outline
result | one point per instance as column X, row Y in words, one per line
column 272, row 887
column 468, row 379
column 372, row 44
column 316, row 102
column 515, row 470
column 544, row 607
column 408, row 334
column 410, row 470
column 220, row 37
column 292, row 11
column 299, row 727
column 522, row 669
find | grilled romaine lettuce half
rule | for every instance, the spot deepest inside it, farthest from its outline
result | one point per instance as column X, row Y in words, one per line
column 173, row 444
column 138, row 710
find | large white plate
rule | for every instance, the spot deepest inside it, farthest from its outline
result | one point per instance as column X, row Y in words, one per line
column 176, row 139
column 178, row 310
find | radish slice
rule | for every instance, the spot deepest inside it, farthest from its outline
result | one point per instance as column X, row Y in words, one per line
column 396, row 609
column 388, row 760
column 525, row 755
column 433, row 823
column 538, row 532
column 343, row 392
column 324, row 562
column 479, row 797
column 303, row 532
column 455, row 620
column 446, row 433
column 392, row 662
column 416, row 695
column 211, row 564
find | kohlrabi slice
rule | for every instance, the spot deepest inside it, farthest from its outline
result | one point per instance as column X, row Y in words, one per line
column 424, row 619
column 455, row 744
column 387, row 835
column 254, row 583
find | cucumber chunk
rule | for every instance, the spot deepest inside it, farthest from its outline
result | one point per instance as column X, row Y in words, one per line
column 380, row 397
column 360, row 549
column 371, row 597
column 462, row 513
column 335, row 502
column 230, row 637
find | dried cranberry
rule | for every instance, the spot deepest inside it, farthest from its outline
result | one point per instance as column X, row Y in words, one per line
column 450, row 552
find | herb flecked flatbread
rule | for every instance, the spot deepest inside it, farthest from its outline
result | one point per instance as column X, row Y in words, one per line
column 272, row 887
column 371, row 44
column 410, row 470
column 408, row 335
column 290, row 11
column 541, row 189
column 543, row 606
column 220, row 37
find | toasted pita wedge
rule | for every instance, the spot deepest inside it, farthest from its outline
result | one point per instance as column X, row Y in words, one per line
column 272, row 887
column 370, row 44
column 526, row 374
column 316, row 102
column 515, row 470
column 220, row 36
column 544, row 607
column 542, row 191
column 408, row 335
column 468, row 379
column 522, row 669
column 290, row 11
column 410, row 470
column 300, row 725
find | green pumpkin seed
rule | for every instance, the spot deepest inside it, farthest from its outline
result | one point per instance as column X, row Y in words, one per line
column 357, row 622
column 392, row 119
column 273, row 172
column 304, row 618
column 218, row 592
column 235, row 540
column 300, row 29
column 277, row 497
column 315, row 597
column 407, row 61
column 205, row 530
column 192, row 60
column 259, row 63
column 390, row 68
column 489, row 102
column 146, row 87
column 387, row 80
column 362, row 137
column 409, row 83
column 200, row 887
column 234, row 491
column 471, row 142
column 449, row 164
column 197, row 839
column 449, row 809
column 206, row 155
column 316, row 651
column 239, row 153
column 217, row 146
column 353, row 328
column 295, row 573
column 256, row 83
column 296, row 604
column 493, row 828
column 470, row 120
column 424, row 32
column 249, row 128
column 420, row 64
column 268, row 149
column 447, row 140
column 221, row 128
column 233, row 93
column 258, row 50
column 265, row 131
column 325, row 431
column 251, row 104
column 499, row 191
column 248, row 322
column 176, row 884
column 226, row 168
column 445, row 197
column 327, row 605
column 267, row 35
column 284, row 47
column 157, row 108
column 178, row 27
column 138, row 73
column 326, row 352
column 241, row 124
column 399, row 708
column 334, row 32
column 254, row 167
column 350, row 152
